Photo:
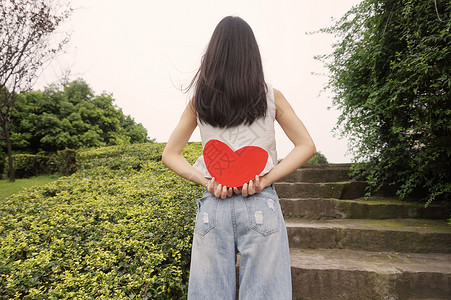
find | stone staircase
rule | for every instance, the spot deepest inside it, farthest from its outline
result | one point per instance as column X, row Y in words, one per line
column 345, row 247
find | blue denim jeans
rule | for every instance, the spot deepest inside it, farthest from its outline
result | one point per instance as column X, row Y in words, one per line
column 252, row 226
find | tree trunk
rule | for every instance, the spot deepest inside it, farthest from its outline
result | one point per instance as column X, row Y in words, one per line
column 11, row 175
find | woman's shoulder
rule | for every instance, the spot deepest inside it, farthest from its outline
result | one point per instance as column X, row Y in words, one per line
column 278, row 96
column 280, row 102
column 277, row 93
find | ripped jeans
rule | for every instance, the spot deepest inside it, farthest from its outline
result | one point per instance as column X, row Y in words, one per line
column 252, row 226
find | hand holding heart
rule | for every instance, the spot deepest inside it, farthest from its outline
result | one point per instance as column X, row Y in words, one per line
column 235, row 170
column 252, row 187
column 219, row 190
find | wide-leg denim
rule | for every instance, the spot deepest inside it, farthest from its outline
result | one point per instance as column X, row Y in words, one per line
column 252, row 226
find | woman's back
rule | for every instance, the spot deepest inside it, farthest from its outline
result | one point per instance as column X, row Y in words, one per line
column 234, row 155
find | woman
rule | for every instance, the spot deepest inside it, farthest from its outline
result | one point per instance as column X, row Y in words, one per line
column 240, row 212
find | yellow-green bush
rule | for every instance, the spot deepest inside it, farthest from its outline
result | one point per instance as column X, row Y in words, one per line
column 121, row 227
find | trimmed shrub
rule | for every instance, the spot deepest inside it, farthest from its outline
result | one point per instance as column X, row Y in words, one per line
column 121, row 227
column 64, row 162
column 28, row 165
column 120, row 157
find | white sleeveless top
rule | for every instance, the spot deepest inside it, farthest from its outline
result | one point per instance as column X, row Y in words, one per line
column 240, row 162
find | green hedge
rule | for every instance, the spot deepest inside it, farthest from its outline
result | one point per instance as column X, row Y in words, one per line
column 121, row 227
column 64, row 162
column 29, row 165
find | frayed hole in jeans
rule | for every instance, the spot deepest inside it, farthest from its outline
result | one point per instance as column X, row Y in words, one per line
column 258, row 217
column 205, row 218
column 271, row 204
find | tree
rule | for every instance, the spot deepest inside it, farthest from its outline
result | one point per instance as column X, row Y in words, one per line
column 71, row 116
column 391, row 76
column 25, row 45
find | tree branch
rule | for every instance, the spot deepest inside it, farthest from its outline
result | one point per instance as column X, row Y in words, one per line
column 436, row 10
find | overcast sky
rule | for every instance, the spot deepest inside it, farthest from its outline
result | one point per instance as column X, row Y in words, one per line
column 144, row 51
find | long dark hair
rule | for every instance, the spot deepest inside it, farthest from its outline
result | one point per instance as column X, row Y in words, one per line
column 229, row 86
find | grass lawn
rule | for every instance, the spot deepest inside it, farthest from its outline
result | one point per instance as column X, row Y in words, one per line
column 8, row 188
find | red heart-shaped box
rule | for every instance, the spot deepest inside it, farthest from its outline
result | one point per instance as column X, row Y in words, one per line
column 233, row 168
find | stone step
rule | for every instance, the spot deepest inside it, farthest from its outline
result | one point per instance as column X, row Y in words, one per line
column 355, row 275
column 337, row 190
column 327, row 166
column 318, row 175
column 372, row 208
column 401, row 235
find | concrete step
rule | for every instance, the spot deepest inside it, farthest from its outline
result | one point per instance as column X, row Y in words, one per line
column 337, row 190
column 401, row 235
column 327, row 166
column 355, row 275
column 318, row 175
column 372, row 208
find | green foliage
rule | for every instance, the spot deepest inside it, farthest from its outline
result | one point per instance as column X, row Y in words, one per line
column 63, row 162
column 318, row 158
column 391, row 75
column 121, row 227
column 70, row 116
column 123, row 157
column 29, row 165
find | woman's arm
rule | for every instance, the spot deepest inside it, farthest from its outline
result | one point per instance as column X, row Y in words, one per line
column 172, row 153
column 303, row 150
column 173, row 159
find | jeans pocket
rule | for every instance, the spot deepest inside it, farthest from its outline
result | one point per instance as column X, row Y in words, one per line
column 206, row 214
column 264, row 213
